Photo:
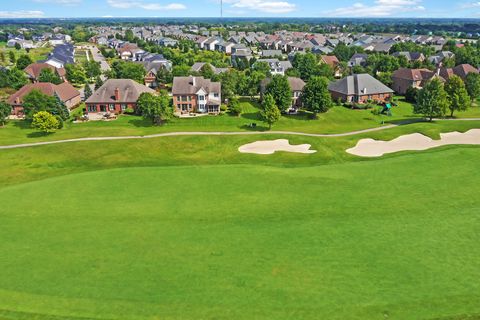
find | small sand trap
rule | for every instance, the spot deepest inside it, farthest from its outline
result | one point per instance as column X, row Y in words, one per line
column 415, row 141
column 270, row 146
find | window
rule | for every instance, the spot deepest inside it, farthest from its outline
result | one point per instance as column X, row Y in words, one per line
column 215, row 95
column 201, row 98
column 111, row 107
column 184, row 98
column 123, row 106
column 92, row 108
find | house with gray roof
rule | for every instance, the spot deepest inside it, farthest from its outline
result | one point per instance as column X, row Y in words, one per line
column 360, row 88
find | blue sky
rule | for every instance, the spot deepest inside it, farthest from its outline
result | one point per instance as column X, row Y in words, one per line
column 240, row 8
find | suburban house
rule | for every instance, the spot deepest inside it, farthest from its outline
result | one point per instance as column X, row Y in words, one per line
column 129, row 51
column 196, row 94
column 167, row 42
column 438, row 58
column 296, row 85
column 197, row 67
column 461, row 70
column 334, row 63
column 360, row 88
column 64, row 91
column 277, row 66
column 410, row 56
column 405, row 78
column 152, row 64
column 61, row 55
column 358, row 60
column 116, row 95
column 33, row 71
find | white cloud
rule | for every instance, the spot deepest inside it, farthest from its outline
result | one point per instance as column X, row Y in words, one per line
column 127, row 4
column 381, row 8
column 22, row 14
column 61, row 2
column 470, row 5
column 263, row 5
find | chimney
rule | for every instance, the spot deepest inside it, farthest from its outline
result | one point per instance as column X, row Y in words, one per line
column 117, row 94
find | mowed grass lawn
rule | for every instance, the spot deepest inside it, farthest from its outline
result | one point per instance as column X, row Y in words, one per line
column 337, row 120
column 392, row 238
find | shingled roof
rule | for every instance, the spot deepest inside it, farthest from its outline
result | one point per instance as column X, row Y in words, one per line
column 65, row 91
column 359, row 84
column 191, row 85
column 129, row 91
column 34, row 69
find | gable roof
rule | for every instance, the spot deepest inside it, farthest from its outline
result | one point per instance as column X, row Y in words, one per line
column 65, row 91
column 191, row 85
column 413, row 74
column 129, row 91
column 359, row 84
column 34, row 69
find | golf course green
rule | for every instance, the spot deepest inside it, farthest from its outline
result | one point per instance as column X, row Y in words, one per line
column 188, row 228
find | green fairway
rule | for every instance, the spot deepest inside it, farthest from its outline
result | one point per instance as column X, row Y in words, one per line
column 394, row 238
column 187, row 227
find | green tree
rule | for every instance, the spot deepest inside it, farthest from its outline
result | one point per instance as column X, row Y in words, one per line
column 17, row 46
column 235, row 107
column 98, row 83
column 129, row 70
column 16, row 78
column 12, row 57
column 458, row 97
column 36, row 101
column 129, row 35
column 5, row 111
column 262, row 67
column 48, row 75
column 270, row 112
column 87, row 91
column 75, row 74
column 280, row 90
column 316, row 97
column 158, row 109
column 473, row 85
column 164, row 76
column 92, row 69
column 207, row 71
column 432, row 100
column 24, row 61
column 45, row 122
column 306, row 64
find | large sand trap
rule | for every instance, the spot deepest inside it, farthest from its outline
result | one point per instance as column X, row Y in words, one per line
column 415, row 141
column 270, row 146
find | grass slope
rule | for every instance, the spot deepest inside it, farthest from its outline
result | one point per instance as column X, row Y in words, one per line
column 394, row 238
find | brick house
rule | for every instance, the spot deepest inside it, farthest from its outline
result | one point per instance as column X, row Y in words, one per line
column 296, row 85
column 116, row 95
column 462, row 70
column 33, row 71
column 405, row 78
column 65, row 92
column 360, row 88
column 196, row 94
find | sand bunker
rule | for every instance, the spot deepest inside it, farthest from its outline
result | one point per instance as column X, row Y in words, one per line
column 270, row 146
column 415, row 141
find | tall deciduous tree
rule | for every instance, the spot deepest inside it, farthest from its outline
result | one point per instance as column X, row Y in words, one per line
column 316, row 97
column 458, row 97
column 98, row 83
column 5, row 111
column 207, row 71
column 155, row 108
column 87, row 92
column 280, row 90
column 23, row 61
column 48, row 75
column 270, row 112
column 432, row 100
column 473, row 85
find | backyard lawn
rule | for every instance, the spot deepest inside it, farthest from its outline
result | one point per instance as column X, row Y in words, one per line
column 337, row 120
